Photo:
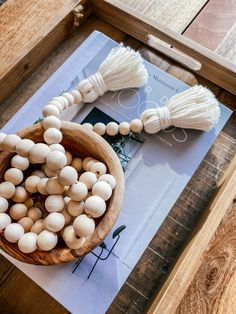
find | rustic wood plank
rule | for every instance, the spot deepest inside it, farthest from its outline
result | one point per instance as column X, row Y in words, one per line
column 227, row 48
column 213, row 23
column 5, row 268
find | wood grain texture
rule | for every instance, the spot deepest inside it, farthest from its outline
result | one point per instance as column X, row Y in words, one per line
column 227, row 48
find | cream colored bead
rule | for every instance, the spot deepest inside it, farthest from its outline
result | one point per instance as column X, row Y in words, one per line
column 7, row 189
column 2, row 136
column 37, row 226
column 88, row 126
column 51, row 122
column 124, row 128
column 34, row 213
column 27, row 223
column 77, row 96
column 29, row 202
column 5, row 220
column 88, row 178
column 99, row 128
column 99, row 168
column 52, row 136
column 53, row 186
column 70, row 238
column 41, row 186
column 14, row 176
column 67, row 216
column 47, row 240
column 54, row 203
column 31, row 184
column 75, row 208
column 38, row 153
column 109, row 179
column 84, row 226
column 38, row 173
column 95, row 206
column 49, row 172
column 20, row 195
column 9, row 143
column 88, row 161
column 55, row 222
column 69, row 97
column 51, row 110
column 77, row 163
column 57, row 104
column 66, row 200
column 102, row 189
column 112, row 128
column 3, row 205
column 57, row 147
column 136, row 125
column 78, row 191
column 69, row 158
column 56, row 160
column 18, row 211
column 62, row 100
column 23, row 147
column 28, row 243
column 67, row 175
column 13, row 232
column 19, row 162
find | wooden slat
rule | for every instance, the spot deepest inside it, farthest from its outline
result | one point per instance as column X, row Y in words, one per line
column 29, row 32
column 227, row 48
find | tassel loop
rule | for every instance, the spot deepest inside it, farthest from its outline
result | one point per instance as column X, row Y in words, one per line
column 155, row 120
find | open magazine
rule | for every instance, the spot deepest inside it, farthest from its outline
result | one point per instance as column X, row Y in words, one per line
column 157, row 168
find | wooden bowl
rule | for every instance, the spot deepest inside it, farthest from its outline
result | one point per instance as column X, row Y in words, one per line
column 80, row 142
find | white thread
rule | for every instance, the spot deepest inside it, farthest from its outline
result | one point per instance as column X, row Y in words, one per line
column 164, row 116
column 98, row 83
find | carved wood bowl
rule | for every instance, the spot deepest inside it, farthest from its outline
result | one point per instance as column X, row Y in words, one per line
column 81, row 143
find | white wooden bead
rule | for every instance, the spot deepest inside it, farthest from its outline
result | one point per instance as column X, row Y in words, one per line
column 88, row 178
column 67, row 216
column 38, row 153
column 88, row 126
column 31, row 184
column 2, row 136
column 136, row 125
column 51, row 110
column 52, row 136
column 69, row 158
column 102, row 189
column 51, row 122
column 112, row 128
column 78, row 191
column 14, row 176
column 57, row 147
column 69, row 97
column 5, row 220
column 7, row 189
column 70, row 238
column 47, row 240
column 66, row 200
column 38, row 173
column 77, row 96
column 23, row 147
column 49, row 172
column 3, row 204
column 95, row 206
column 83, row 226
column 20, row 162
column 75, row 208
column 34, row 213
column 41, row 186
column 37, row 226
column 56, row 160
column 67, row 175
column 20, row 195
column 27, row 223
column 28, row 243
column 13, row 232
column 124, row 128
column 99, row 128
column 55, row 222
column 29, row 202
column 57, row 104
column 18, row 211
column 109, row 179
column 87, row 162
column 54, row 203
column 99, row 168
column 53, row 186
column 9, row 143
column 77, row 163
column 62, row 100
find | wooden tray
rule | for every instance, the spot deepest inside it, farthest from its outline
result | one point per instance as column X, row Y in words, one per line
column 30, row 33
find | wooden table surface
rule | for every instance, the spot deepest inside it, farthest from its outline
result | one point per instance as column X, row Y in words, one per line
column 214, row 286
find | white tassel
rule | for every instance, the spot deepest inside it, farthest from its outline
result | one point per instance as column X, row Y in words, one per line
column 196, row 108
column 123, row 68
